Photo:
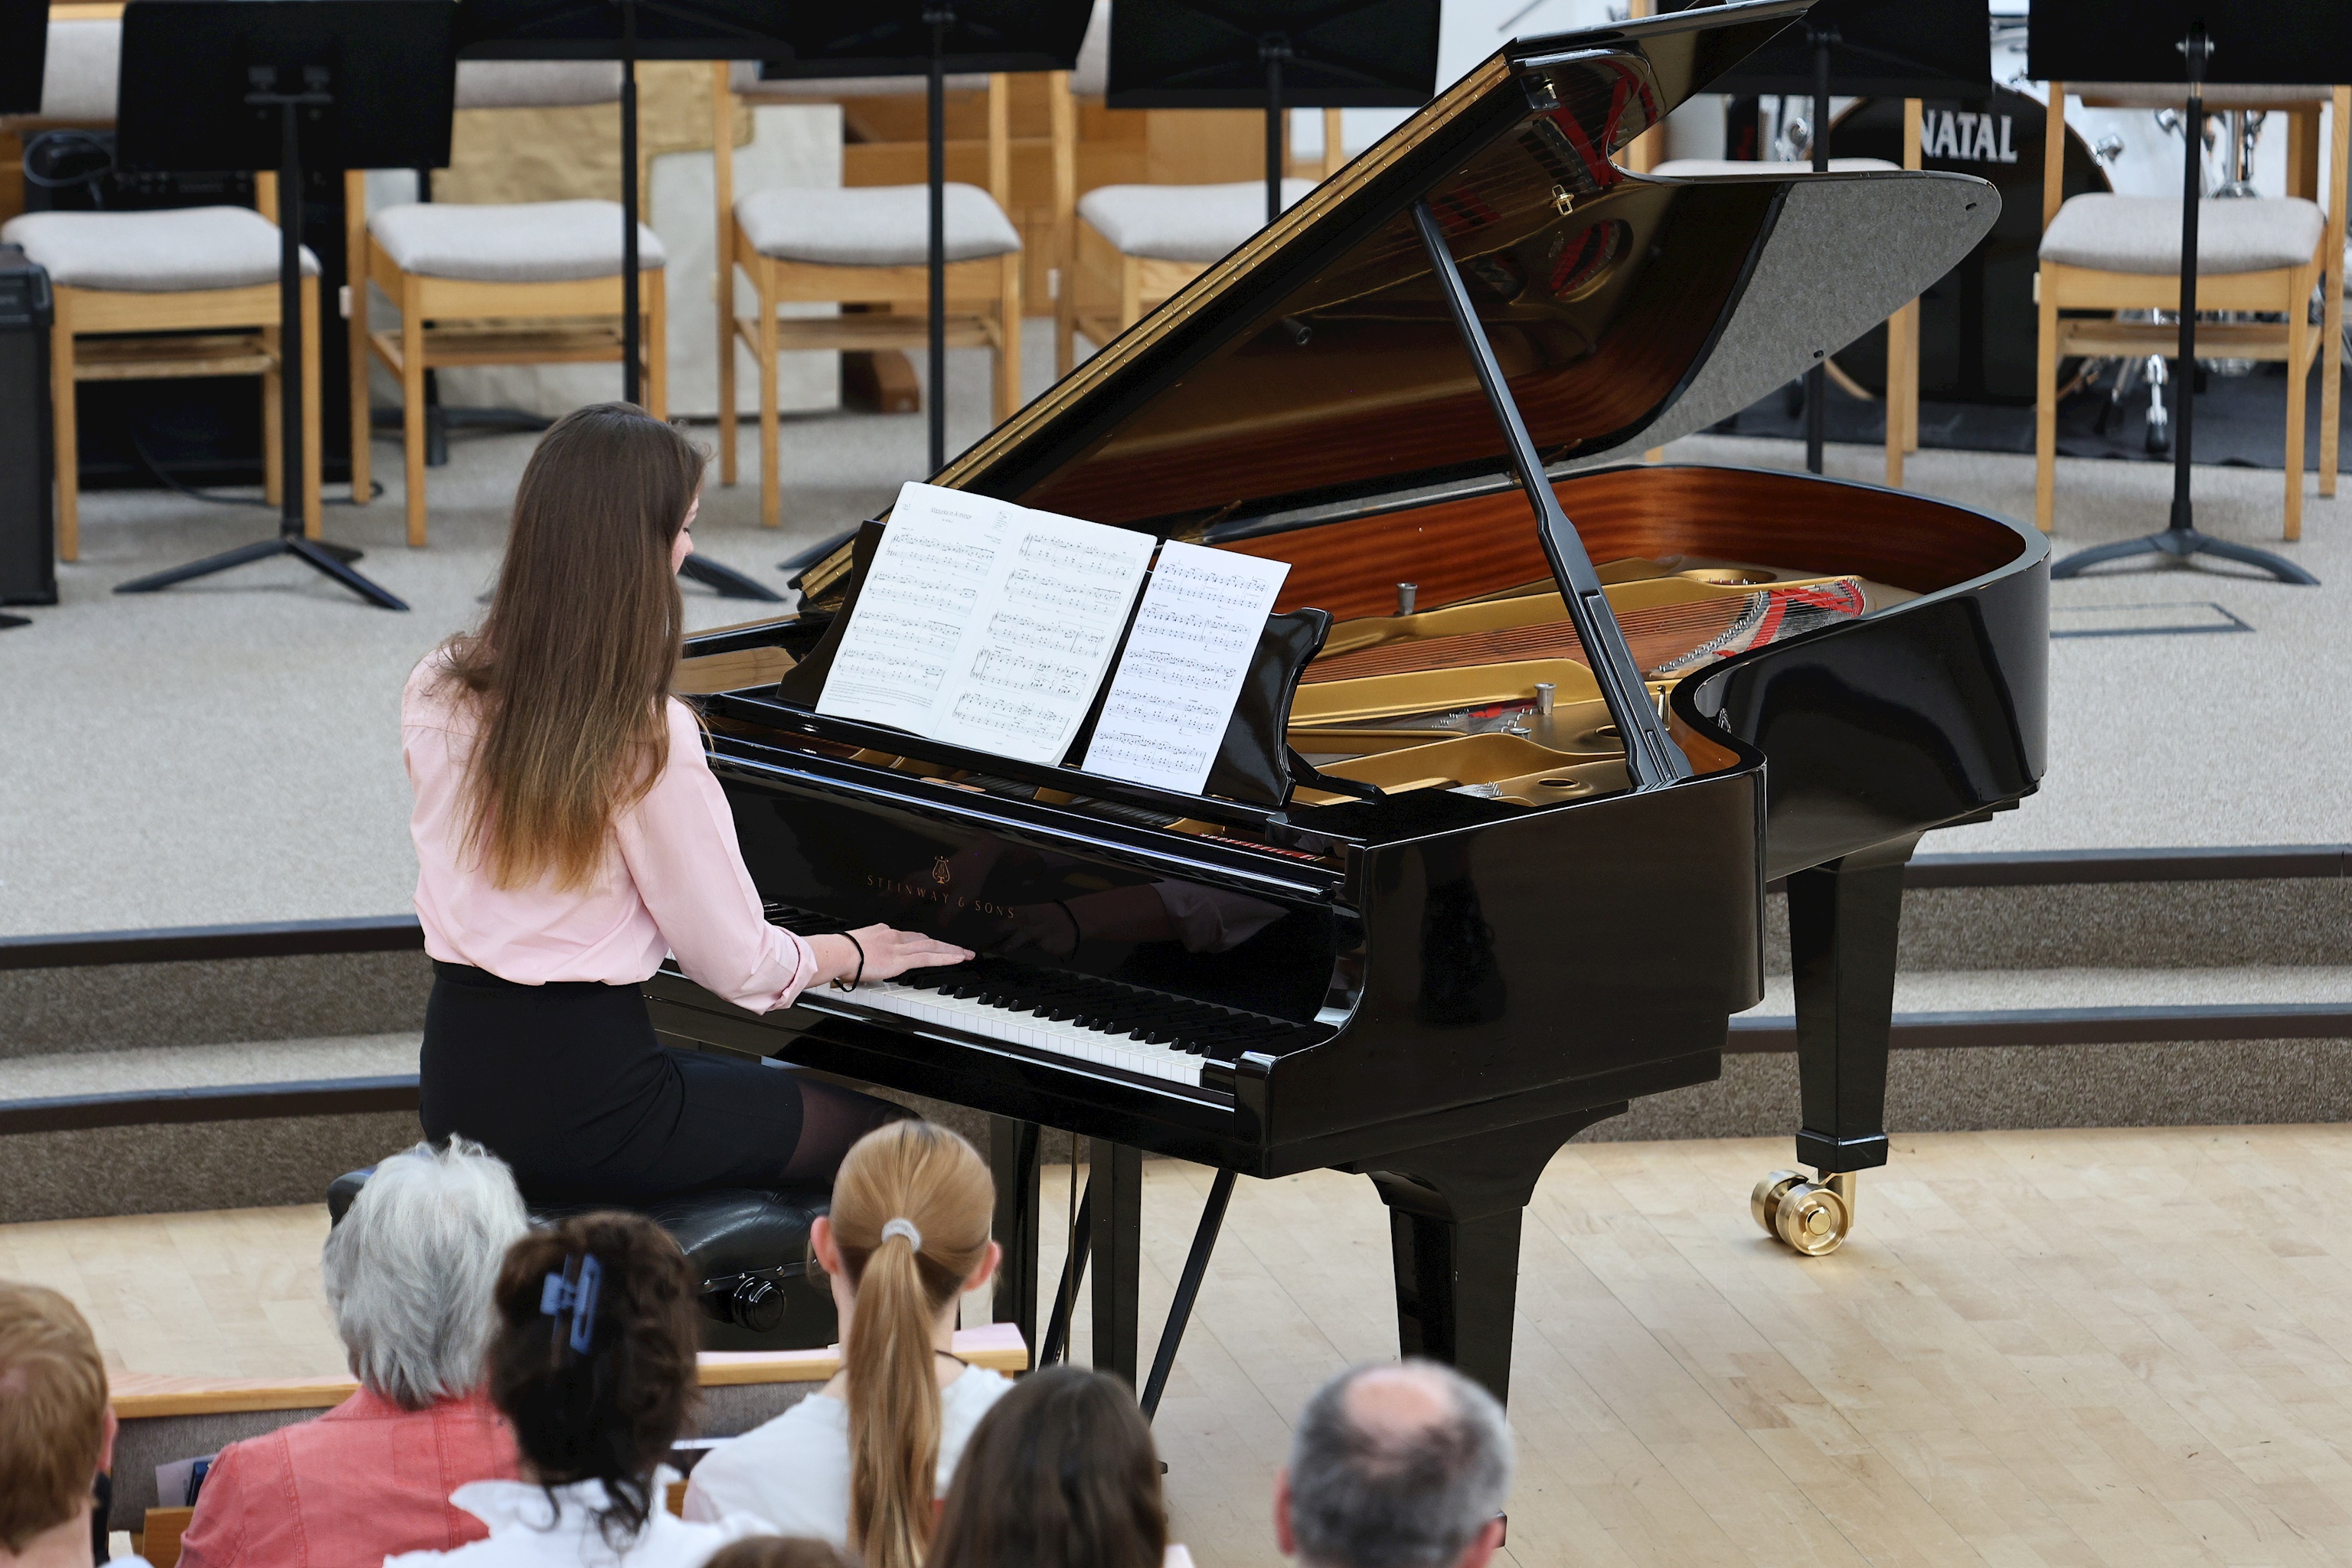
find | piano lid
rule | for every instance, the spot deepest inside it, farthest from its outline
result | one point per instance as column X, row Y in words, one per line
column 1317, row 365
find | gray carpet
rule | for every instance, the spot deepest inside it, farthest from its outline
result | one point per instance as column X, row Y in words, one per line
column 229, row 750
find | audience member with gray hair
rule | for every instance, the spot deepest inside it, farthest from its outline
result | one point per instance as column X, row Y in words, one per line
column 408, row 1273
column 1396, row 1466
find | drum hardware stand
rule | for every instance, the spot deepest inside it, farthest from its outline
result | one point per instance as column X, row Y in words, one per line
column 2183, row 539
column 332, row 560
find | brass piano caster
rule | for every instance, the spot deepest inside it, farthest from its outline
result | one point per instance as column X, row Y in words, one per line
column 1812, row 1216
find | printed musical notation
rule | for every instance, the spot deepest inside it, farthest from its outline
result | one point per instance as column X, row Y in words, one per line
column 985, row 623
column 1186, row 659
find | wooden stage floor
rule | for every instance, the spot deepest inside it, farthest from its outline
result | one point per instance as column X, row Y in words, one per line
column 2123, row 1347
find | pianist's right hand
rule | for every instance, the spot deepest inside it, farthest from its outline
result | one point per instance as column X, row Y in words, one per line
column 889, row 952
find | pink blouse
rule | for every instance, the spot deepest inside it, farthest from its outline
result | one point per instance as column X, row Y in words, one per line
column 363, row 1481
column 673, row 882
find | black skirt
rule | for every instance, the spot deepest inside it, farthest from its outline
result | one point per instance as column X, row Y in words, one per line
column 568, row 1084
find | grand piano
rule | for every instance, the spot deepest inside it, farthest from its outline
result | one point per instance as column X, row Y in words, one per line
column 1486, row 855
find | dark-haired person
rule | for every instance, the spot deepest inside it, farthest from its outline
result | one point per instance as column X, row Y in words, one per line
column 1395, row 1464
column 569, row 834
column 861, row 1464
column 593, row 1365
column 1061, row 1474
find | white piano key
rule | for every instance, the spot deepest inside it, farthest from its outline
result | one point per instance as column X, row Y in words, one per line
column 1025, row 1028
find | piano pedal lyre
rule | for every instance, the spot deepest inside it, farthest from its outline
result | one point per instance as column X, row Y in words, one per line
column 1814, row 1216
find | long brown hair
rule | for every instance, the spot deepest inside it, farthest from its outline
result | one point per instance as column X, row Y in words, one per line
column 611, row 1412
column 570, row 668
column 926, row 1175
column 1060, row 1473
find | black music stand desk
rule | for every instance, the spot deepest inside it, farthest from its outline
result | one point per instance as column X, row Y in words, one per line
column 251, row 84
column 1864, row 48
column 2292, row 41
column 931, row 38
column 1274, row 55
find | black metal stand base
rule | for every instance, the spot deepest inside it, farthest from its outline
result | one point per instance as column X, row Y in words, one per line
column 2182, row 540
column 322, row 558
column 730, row 583
column 2182, row 543
column 10, row 623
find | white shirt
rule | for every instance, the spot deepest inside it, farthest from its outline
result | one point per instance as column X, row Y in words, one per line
column 526, row 1533
column 792, row 1474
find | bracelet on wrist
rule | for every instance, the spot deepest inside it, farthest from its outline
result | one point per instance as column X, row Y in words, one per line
column 851, row 983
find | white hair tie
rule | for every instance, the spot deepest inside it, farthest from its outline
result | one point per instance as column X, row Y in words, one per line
column 905, row 1228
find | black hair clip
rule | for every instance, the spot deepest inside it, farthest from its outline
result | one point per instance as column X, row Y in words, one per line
column 563, row 1292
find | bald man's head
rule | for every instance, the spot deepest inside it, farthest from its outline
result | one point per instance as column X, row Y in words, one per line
column 1399, row 1466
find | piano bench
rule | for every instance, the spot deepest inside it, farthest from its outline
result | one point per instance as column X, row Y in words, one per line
column 748, row 1245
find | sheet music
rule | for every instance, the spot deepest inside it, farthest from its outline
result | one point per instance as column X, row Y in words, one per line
column 937, row 560
column 985, row 625
column 1185, row 661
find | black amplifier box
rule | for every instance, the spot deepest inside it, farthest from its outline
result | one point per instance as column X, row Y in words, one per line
column 27, row 519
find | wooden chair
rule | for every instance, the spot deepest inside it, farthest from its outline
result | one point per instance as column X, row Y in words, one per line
column 211, row 271
column 526, row 283
column 1132, row 247
column 2106, row 253
column 208, row 276
column 860, row 246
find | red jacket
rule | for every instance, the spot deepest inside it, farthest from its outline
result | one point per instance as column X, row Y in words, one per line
column 365, row 1480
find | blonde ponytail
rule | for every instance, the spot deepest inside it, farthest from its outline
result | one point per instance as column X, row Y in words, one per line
column 926, row 1176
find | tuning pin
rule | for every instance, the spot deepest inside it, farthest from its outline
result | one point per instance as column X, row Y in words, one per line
column 1406, row 593
column 1545, row 692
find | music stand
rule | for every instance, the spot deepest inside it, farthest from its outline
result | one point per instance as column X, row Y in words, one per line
column 1864, row 48
column 24, row 55
column 1276, row 55
column 2296, row 42
column 931, row 38
column 629, row 31
column 248, row 84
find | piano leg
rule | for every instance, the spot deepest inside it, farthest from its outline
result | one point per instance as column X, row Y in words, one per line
column 1013, row 1156
column 1453, row 1226
column 1115, row 1192
column 1842, row 922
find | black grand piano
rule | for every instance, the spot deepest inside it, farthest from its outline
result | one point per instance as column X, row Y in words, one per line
column 1485, row 853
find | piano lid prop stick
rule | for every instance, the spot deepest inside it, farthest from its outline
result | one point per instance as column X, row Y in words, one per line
column 1652, row 758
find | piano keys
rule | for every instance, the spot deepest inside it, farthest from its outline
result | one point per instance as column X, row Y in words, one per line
column 1504, row 868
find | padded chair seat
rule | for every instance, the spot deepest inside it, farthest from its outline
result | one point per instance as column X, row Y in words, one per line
column 525, row 242
column 872, row 225
column 177, row 251
column 748, row 1245
column 2142, row 234
column 1182, row 223
column 1701, row 168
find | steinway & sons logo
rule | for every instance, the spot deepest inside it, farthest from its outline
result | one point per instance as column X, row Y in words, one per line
column 943, row 869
